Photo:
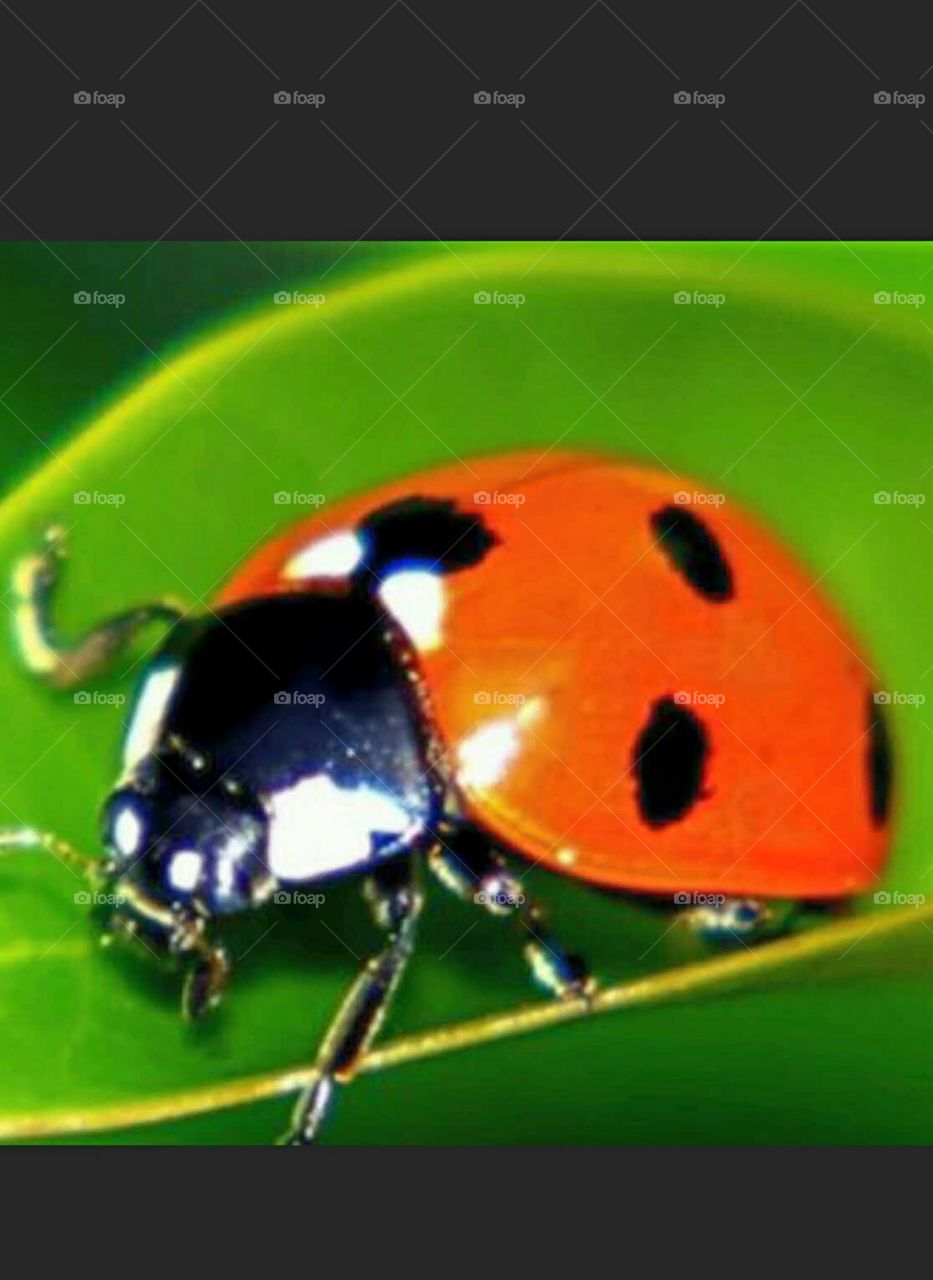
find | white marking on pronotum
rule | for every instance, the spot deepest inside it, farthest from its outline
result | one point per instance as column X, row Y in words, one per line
column 184, row 870
column 415, row 598
column 334, row 556
column 316, row 826
column 149, row 715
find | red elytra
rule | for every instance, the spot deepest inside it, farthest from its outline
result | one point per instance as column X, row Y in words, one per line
column 588, row 634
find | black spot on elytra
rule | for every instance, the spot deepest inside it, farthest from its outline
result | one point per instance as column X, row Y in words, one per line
column 694, row 552
column 425, row 529
column 669, row 761
column 879, row 763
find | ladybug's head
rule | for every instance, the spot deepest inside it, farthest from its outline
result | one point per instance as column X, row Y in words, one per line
column 183, row 839
column 182, row 847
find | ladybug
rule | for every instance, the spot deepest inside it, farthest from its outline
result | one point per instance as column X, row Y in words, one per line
column 592, row 666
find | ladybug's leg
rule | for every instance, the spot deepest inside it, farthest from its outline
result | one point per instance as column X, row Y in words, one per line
column 737, row 921
column 395, row 900
column 65, row 666
column 207, row 977
column 468, row 865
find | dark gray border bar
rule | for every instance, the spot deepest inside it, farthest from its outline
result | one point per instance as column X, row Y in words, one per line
column 397, row 119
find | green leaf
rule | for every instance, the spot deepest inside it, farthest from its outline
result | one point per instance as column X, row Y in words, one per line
column 393, row 373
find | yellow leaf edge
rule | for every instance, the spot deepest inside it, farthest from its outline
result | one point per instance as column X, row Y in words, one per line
column 839, row 937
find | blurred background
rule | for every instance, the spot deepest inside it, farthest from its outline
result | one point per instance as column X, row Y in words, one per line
column 173, row 291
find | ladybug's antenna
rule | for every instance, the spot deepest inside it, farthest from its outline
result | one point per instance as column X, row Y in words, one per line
column 27, row 840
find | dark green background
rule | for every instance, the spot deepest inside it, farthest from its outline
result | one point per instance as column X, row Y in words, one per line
column 837, row 1054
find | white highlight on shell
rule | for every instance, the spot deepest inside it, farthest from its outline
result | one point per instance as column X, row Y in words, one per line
column 484, row 755
column 149, row 715
column 184, row 870
column 334, row 556
column 316, row 827
column 415, row 598
column 127, row 831
column 486, row 752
